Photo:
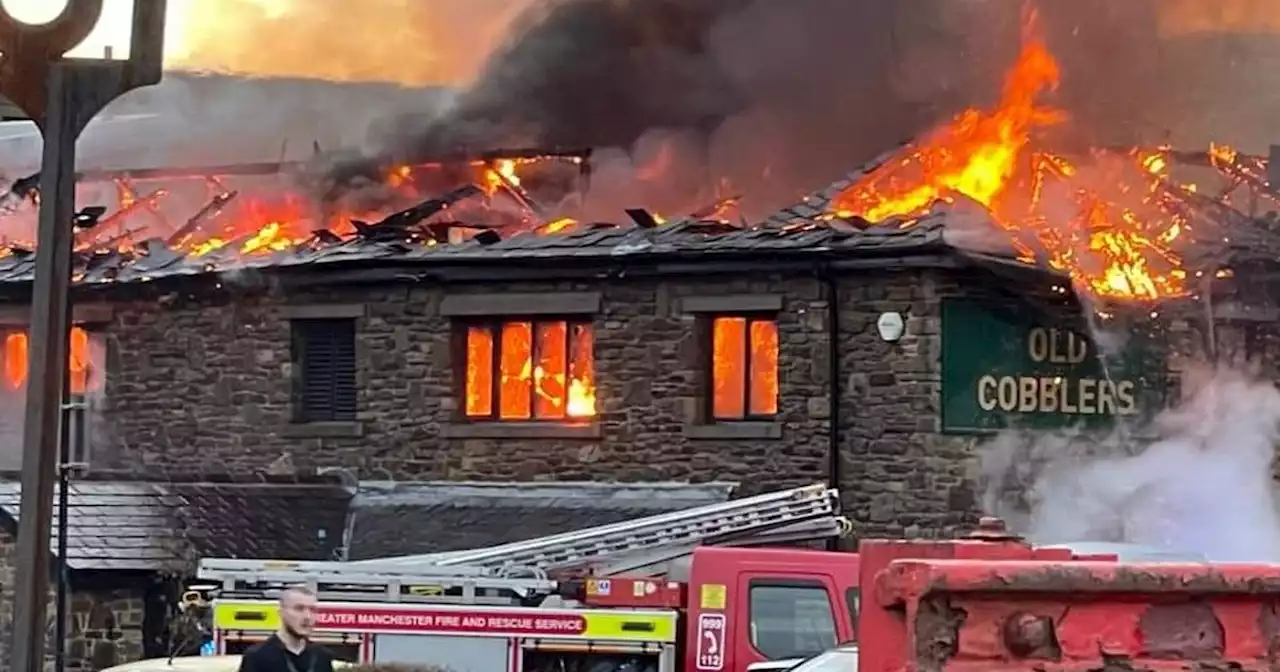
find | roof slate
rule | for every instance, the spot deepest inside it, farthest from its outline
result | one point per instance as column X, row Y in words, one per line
column 411, row 519
column 149, row 526
column 166, row 526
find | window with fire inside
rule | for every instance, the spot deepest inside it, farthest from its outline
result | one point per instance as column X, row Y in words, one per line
column 529, row 370
column 86, row 364
column 743, row 376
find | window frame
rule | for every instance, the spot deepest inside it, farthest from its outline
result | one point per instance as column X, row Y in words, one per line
column 341, row 409
column 494, row 325
column 709, row 367
column 806, row 584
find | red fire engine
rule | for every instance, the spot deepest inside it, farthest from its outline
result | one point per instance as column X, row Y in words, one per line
column 692, row 591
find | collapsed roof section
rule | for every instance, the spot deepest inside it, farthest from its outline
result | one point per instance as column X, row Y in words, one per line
column 438, row 235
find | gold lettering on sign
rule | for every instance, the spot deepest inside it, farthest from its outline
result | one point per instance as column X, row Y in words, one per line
column 1069, row 396
column 1057, row 346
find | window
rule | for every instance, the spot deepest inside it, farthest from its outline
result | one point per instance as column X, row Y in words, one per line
column 791, row 619
column 744, row 368
column 84, row 361
column 853, row 601
column 324, row 357
column 86, row 377
column 530, row 370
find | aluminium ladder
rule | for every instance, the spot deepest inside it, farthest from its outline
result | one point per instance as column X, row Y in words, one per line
column 814, row 509
column 521, row 568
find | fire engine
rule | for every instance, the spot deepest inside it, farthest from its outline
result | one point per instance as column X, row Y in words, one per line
column 693, row 591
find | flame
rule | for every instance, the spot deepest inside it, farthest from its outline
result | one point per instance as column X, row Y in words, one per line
column 744, row 368
column 1111, row 234
column 502, row 175
column 545, row 371
column 262, row 220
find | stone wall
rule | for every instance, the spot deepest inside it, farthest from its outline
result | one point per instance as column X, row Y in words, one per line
column 206, row 388
column 202, row 385
column 104, row 627
column 899, row 475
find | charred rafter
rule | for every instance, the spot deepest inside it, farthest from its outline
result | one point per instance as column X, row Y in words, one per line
column 208, row 212
column 400, row 225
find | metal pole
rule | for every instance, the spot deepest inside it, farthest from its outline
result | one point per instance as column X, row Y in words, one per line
column 61, row 95
column 64, row 573
column 48, row 374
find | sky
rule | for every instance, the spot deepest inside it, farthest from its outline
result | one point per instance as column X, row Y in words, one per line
column 112, row 29
column 440, row 42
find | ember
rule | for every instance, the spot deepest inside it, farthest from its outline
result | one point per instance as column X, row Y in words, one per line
column 1115, row 241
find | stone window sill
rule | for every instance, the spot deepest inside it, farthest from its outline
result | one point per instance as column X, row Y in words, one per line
column 522, row 430
column 324, row 430
column 734, row 431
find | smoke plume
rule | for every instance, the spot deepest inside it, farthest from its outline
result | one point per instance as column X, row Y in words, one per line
column 1204, row 484
column 773, row 99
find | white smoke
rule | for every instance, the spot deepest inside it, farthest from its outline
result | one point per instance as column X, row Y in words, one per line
column 1202, row 482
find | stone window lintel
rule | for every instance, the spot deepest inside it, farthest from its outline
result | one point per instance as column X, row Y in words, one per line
column 84, row 313
column 324, row 430
column 323, row 311
column 520, row 303
column 734, row 431
column 522, row 430
column 732, row 303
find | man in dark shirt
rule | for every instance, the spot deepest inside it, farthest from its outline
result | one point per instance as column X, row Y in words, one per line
column 289, row 649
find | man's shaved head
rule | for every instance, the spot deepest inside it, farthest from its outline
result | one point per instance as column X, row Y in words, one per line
column 294, row 592
column 298, row 611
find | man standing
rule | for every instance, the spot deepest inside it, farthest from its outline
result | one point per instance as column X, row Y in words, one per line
column 289, row 649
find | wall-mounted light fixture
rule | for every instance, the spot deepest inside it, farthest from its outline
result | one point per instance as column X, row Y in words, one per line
column 891, row 327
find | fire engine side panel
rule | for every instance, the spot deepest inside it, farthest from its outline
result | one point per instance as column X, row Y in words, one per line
column 635, row 625
column 458, row 654
column 721, row 581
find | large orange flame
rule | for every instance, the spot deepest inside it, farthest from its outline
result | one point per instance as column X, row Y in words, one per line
column 1111, row 237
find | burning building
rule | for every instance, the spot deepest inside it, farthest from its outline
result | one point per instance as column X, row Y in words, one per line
column 458, row 319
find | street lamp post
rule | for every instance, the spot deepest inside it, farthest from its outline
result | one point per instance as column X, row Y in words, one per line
column 60, row 95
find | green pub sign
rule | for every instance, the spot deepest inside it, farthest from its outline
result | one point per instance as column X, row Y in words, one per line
column 1004, row 366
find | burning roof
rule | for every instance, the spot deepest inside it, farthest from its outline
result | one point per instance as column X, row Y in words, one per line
column 1116, row 222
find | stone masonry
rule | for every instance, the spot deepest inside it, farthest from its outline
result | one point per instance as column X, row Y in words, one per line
column 201, row 384
column 104, row 626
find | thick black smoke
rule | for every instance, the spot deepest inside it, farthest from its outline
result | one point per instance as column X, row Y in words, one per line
column 774, row 98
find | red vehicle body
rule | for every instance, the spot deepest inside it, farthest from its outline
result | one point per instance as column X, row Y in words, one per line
column 985, row 603
column 773, row 604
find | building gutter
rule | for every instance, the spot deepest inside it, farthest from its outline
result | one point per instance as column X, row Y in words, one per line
column 833, row 387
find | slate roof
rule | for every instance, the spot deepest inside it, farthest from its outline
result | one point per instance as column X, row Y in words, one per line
column 148, row 526
column 391, row 519
column 125, row 525
column 690, row 239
